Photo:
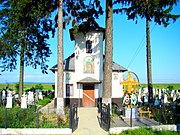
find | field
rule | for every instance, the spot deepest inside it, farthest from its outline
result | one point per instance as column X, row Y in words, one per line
column 28, row 86
column 176, row 86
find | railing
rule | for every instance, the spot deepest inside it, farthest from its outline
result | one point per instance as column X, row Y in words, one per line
column 105, row 116
column 73, row 117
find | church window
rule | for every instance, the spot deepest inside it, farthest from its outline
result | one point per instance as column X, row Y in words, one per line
column 88, row 46
column 69, row 90
column 88, row 65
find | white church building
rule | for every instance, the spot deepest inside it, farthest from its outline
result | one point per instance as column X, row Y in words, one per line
column 83, row 70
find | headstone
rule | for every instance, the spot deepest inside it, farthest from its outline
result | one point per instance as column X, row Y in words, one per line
column 156, row 103
column 40, row 96
column 24, row 101
column 9, row 101
column 30, row 98
column 174, row 97
column 139, row 99
column 165, row 99
column 134, row 113
column 3, row 94
column 160, row 94
column 146, row 98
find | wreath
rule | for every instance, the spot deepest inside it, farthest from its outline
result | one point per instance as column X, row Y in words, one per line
column 126, row 100
column 133, row 99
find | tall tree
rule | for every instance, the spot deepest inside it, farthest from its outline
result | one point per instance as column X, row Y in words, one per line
column 60, row 73
column 107, row 78
column 25, row 26
column 158, row 10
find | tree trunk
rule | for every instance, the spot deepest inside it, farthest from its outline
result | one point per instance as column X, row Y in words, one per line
column 149, row 72
column 107, row 81
column 60, row 76
column 21, row 73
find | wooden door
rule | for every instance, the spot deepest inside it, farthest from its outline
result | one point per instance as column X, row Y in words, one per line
column 88, row 95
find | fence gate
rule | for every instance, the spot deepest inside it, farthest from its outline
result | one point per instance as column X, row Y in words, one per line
column 104, row 116
column 73, row 117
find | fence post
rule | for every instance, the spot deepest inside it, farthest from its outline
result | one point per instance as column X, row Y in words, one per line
column 5, row 120
column 37, row 118
column 109, row 116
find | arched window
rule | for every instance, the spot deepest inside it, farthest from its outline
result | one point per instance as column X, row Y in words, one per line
column 88, row 46
column 88, row 65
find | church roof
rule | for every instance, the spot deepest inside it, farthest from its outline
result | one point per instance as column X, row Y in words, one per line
column 70, row 66
column 86, row 27
column 88, row 80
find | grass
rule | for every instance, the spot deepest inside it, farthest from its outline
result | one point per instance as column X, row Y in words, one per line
column 176, row 86
column 27, row 86
column 147, row 131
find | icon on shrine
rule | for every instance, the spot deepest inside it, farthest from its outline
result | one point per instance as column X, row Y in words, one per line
column 129, row 87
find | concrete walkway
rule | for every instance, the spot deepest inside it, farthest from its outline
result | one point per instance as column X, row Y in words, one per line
column 88, row 122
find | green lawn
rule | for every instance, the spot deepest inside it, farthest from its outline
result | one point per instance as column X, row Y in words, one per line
column 27, row 86
column 176, row 86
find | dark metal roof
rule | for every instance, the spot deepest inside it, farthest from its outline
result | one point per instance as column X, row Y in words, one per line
column 70, row 66
column 86, row 27
column 89, row 80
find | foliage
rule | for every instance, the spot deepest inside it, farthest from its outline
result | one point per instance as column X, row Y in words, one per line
column 147, row 131
column 44, row 102
column 33, row 23
column 170, row 87
column 158, row 10
column 39, row 86
column 29, row 118
column 165, row 114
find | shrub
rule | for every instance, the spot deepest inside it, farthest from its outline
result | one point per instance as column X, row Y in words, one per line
column 147, row 131
column 39, row 86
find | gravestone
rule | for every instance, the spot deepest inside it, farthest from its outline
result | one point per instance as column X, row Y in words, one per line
column 40, row 96
column 24, row 101
column 156, row 103
column 160, row 94
column 134, row 113
column 9, row 101
column 174, row 97
column 30, row 98
column 165, row 99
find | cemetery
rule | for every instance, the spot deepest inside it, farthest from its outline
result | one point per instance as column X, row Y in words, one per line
column 163, row 113
column 25, row 112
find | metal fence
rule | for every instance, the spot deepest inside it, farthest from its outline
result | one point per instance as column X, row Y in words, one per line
column 74, row 116
column 105, row 116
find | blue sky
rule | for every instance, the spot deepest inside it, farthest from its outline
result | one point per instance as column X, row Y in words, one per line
column 129, row 50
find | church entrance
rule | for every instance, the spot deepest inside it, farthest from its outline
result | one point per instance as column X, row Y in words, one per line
column 88, row 95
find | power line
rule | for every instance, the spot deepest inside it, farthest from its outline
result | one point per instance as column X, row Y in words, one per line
column 139, row 48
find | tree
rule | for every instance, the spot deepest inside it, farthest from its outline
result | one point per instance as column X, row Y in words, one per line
column 60, row 74
column 107, row 79
column 158, row 10
column 25, row 26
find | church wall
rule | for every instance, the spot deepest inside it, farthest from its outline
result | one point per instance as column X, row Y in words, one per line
column 117, row 89
column 96, row 55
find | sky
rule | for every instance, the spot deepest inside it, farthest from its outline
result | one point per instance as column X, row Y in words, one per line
column 129, row 50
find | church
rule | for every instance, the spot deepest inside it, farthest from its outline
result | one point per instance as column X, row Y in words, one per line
column 83, row 70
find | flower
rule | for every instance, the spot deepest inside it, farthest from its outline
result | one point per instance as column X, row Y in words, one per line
column 3, row 116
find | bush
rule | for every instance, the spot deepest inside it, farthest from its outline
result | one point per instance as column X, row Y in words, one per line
column 44, row 102
column 30, row 118
column 39, row 86
column 147, row 131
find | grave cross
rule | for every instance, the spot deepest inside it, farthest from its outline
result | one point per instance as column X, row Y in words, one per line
column 130, row 82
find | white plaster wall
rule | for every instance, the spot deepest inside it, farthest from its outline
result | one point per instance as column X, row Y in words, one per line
column 117, row 88
column 55, row 85
column 80, row 54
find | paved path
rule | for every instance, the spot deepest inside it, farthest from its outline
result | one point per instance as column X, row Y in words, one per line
column 88, row 122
